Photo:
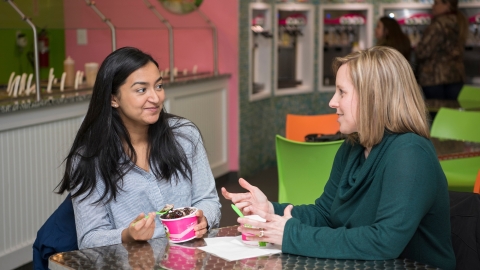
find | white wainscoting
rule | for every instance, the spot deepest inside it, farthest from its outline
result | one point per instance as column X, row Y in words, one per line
column 205, row 104
column 33, row 144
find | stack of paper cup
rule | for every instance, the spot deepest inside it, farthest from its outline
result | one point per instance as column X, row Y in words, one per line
column 91, row 70
column 69, row 69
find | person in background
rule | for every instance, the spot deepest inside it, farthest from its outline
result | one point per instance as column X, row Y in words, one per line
column 131, row 157
column 387, row 195
column 441, row 71
column 388, row 33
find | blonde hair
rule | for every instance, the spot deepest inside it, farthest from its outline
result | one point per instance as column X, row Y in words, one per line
column 388, row 95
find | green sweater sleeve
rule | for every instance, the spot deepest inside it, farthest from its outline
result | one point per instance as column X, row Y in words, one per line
column 401, row 194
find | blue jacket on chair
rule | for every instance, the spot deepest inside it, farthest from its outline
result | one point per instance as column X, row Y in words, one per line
column 58, row 234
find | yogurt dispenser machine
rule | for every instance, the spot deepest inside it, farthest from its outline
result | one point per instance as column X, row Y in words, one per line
column 260, row 51
column 294, row 48
column 344, row 28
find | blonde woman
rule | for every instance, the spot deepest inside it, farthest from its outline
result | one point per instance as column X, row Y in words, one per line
column 387, row 195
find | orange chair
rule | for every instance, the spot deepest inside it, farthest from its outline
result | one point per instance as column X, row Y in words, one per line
column 297, row 126
column 476, row 188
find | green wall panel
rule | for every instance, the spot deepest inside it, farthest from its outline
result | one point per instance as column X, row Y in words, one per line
column 44, row 14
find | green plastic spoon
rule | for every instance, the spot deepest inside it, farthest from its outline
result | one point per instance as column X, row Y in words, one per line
column 237, row 210
column 164, row 210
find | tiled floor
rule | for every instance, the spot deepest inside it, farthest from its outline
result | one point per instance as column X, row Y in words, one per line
column 28, row 266
column 266, row 180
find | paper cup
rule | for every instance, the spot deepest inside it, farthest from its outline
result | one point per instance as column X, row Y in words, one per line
column 180, row 230
column 91, row 70
column 244, row 235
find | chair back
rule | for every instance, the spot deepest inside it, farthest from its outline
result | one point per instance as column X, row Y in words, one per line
column 456, row 125
column 303, row 169
column 476, row 187
column 57, row 234
column 469, row 97
column 465, row 226
column 298, row 126
column 461, row 173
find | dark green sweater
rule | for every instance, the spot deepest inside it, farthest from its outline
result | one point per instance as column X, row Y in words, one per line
column 394, row 204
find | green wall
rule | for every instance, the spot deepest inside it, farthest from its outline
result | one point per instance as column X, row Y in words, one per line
column 44, row 14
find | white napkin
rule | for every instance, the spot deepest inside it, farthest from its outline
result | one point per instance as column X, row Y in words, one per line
column 232, row 248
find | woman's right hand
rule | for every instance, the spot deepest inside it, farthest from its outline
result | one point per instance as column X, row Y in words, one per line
column 253, row 198
column 141, row 228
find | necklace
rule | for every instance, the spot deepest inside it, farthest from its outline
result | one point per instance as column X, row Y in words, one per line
column 367, row 152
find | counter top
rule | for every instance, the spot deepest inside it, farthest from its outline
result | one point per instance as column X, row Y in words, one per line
column 8, row 104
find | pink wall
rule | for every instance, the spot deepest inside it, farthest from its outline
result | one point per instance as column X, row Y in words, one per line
column 137, row 26
column 224, row 14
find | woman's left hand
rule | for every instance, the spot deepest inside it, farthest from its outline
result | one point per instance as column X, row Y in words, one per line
column 270, row 231
column 201, row 227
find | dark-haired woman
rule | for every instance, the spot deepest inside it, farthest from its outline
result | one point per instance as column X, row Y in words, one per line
column 388, row 33
column 130, row 158
column 441, row 71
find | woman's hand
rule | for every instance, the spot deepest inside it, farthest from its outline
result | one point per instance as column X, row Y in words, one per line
column 254, row 198
column 270, row 231
column 141, row 228
column 201, row 227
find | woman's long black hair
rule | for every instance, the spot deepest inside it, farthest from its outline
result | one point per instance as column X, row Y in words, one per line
column 98, row 147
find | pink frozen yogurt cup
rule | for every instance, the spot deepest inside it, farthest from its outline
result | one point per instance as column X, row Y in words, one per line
column 180, row 230
column 244, row 235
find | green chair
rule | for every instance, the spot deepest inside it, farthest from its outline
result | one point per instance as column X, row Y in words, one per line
column 469, row 97
column 303, row 169
column 456, row 125
column 461, row 173
column 462, row 126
